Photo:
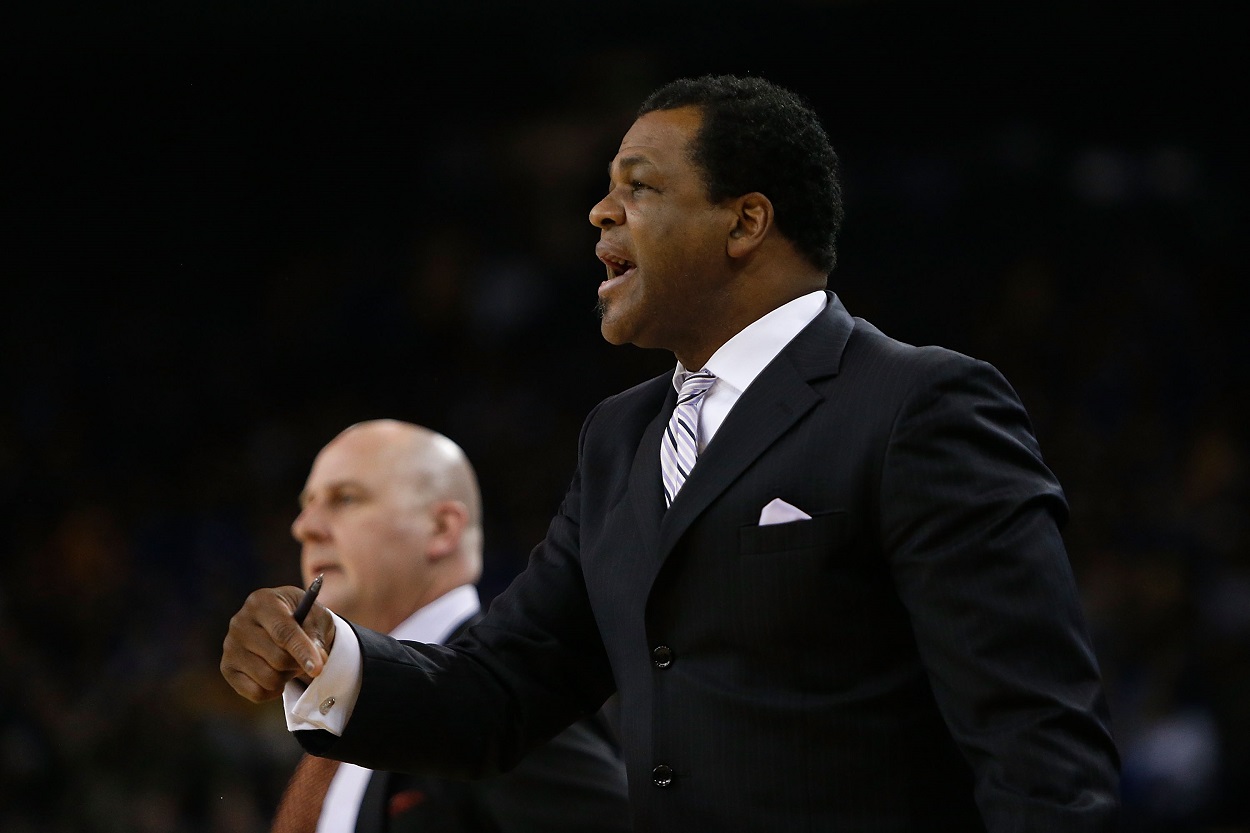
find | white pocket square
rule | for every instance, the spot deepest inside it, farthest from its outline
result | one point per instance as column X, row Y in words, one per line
column 779, row 512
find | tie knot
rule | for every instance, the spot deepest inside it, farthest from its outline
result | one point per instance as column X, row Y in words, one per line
column 694, row 386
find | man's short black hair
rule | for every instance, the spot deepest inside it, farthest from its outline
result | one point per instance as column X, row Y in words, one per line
column 756, row 136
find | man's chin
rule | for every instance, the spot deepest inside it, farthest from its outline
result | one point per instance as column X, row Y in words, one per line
column 611, row 333
column 607, row 324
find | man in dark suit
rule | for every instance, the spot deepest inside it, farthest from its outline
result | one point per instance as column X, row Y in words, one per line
column 391, row 519
column 822, row 568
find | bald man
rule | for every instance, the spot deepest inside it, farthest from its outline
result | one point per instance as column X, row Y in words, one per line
column 391, row 518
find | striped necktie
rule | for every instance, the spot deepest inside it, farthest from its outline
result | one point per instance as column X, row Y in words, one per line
column 680, row 447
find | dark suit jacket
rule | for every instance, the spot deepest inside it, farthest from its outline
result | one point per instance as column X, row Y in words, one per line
column 912, row 658
column 575, row 783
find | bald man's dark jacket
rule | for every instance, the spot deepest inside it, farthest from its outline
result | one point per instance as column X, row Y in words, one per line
column 913, row 657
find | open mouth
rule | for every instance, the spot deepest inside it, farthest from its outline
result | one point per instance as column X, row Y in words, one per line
column 617, row 266
column 619, row 270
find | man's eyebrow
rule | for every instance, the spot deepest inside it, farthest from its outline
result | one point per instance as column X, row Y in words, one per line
column 335, row 486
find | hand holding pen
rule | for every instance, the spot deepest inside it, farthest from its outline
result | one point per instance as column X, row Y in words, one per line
column 278, row 634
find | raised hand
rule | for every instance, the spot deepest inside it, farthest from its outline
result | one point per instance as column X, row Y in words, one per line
column 265, row 647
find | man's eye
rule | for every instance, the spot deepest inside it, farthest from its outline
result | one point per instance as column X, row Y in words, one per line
column 638, row 186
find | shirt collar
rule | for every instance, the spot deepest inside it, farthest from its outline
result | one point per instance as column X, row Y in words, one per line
column 738, row 361
column 436, row 621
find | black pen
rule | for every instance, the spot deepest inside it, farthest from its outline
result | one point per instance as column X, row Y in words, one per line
column 306, row 603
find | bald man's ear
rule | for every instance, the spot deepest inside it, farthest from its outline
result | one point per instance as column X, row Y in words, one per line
column 451, row 517
column 753, row 218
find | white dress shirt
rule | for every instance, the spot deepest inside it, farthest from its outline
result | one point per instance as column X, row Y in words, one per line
column 432, row 624
column 739, row 360
column 328, row 702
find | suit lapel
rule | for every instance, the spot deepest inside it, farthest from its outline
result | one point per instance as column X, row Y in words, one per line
column 646, row 495
column 373, row 808
column 777, row 399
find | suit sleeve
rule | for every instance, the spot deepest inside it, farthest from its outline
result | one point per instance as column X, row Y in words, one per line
column 970, row 521
column 473, row 708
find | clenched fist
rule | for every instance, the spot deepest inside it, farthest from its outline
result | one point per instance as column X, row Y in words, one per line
column 265, row 648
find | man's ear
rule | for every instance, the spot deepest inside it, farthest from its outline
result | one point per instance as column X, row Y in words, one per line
column 450, row 519
column 753, row 219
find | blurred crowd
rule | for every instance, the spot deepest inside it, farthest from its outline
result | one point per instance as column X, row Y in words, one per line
column 161, row 415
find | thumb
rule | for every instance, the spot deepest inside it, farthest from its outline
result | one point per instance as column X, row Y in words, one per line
column 308, row 645
column 320, row 628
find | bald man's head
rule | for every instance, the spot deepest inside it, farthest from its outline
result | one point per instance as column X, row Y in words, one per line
column 437, row 466
column 391, row 515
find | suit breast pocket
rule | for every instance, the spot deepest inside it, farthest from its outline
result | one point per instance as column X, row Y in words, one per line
column 791, row 582
column 821, row 532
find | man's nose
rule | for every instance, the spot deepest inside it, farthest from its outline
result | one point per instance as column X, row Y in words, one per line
column 307, row 526
column 607, row 212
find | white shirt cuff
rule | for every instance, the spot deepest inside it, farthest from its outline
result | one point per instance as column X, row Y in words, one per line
column 328, row 701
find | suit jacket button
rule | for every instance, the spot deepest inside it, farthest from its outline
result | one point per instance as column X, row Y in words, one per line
column 662, row 656
column 662, row 775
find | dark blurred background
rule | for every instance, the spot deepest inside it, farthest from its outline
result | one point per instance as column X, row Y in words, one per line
column 231, row 229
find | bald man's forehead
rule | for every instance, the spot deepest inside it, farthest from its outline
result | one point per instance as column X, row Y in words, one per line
column 364, row 461
column 389, row 454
